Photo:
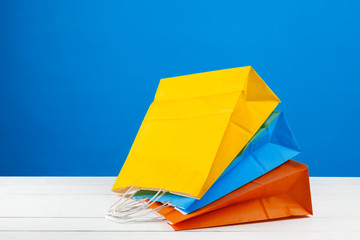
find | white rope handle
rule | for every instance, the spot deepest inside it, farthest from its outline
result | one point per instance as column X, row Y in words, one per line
column 128, row 209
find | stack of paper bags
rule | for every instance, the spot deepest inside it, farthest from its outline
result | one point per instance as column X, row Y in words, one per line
column 214, row 142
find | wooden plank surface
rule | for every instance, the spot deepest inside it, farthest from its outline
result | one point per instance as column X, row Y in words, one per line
column 73, row 208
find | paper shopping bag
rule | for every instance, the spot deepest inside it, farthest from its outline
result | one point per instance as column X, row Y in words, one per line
column 195, row 127
column 282, row 192
column 270, row 147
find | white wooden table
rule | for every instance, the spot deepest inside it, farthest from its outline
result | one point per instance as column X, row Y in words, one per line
column 73, row 208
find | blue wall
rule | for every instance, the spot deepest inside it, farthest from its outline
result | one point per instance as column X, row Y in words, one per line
column 76, row 77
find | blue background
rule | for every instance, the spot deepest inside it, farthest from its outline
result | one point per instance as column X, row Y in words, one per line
column 78, row 76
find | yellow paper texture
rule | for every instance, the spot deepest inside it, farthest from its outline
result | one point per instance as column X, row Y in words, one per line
column 195, row 127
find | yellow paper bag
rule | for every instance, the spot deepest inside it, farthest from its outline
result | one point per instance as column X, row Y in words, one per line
column 195, row 127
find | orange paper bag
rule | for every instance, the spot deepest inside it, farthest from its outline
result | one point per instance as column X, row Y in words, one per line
column 282, row 192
